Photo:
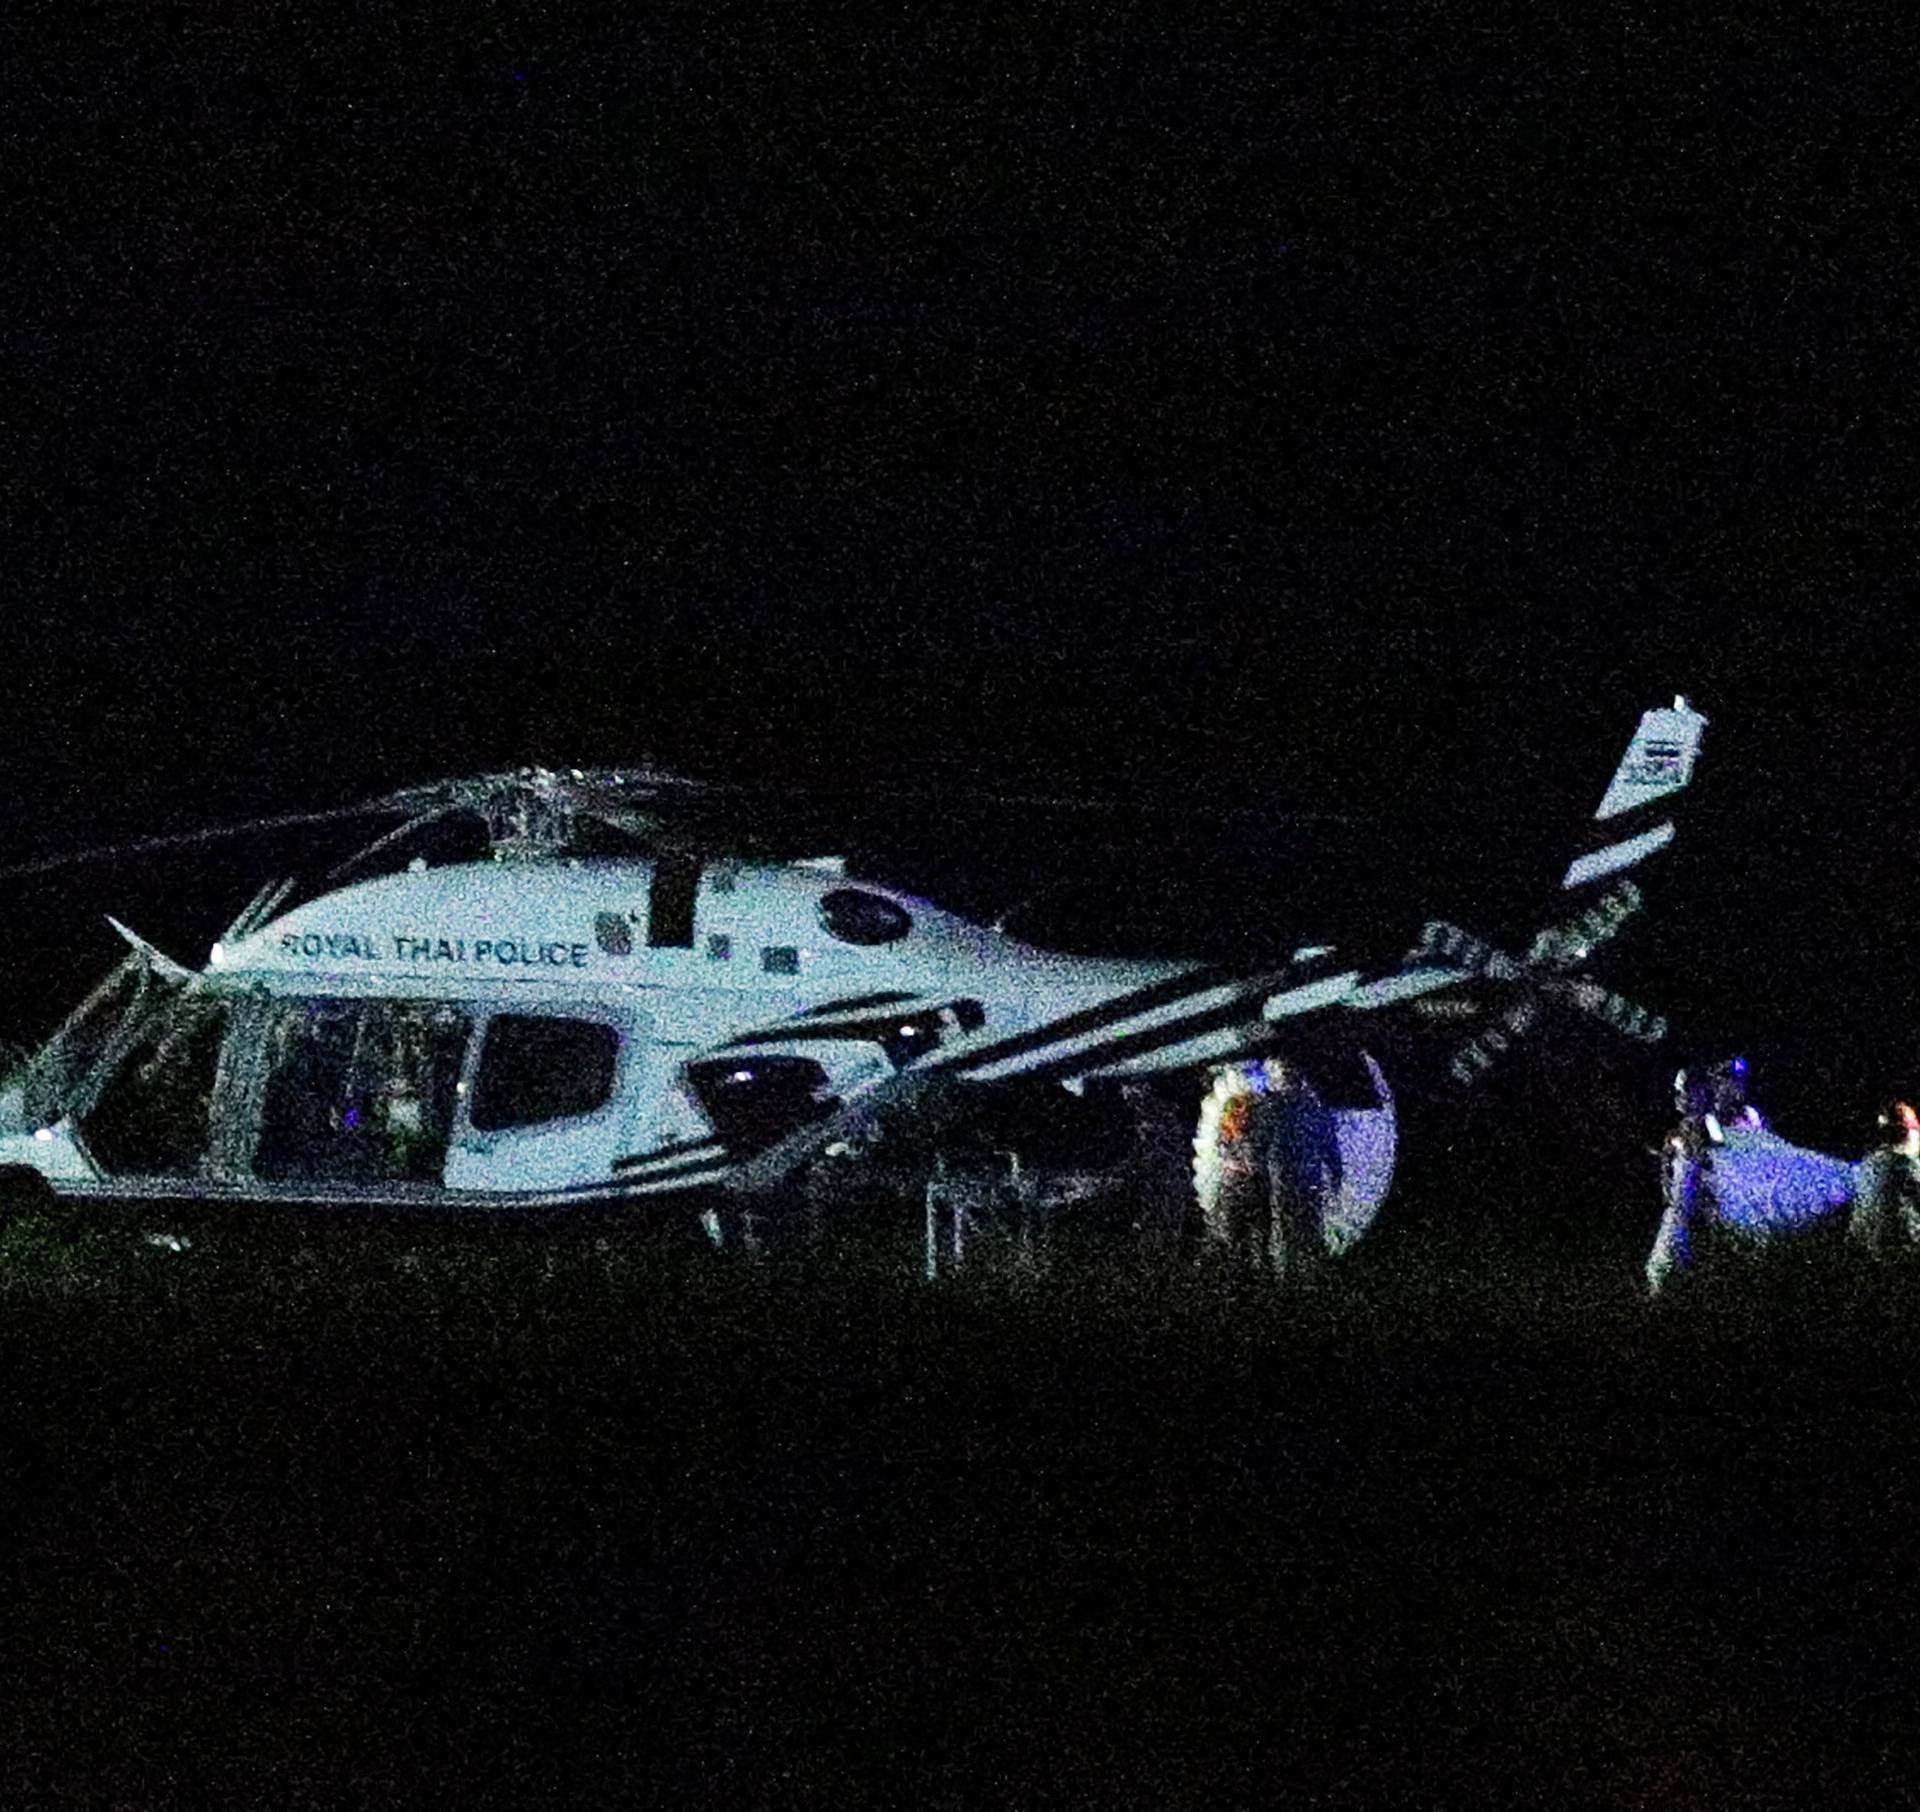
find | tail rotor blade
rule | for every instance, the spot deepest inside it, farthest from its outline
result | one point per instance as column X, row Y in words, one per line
column 1613, row 1010
column 1484, row 1049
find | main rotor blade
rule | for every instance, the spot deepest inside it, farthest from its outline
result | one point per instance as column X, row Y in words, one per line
column 637, row 799
column 141, row 846
column 386, row 841
column 878, row 797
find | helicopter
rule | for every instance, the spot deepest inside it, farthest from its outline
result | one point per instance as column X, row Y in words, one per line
column 552, row 1027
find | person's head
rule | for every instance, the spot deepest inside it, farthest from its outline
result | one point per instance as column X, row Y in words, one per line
column 1897, row 1123
column 1727, row 1081
column 1692, row 1093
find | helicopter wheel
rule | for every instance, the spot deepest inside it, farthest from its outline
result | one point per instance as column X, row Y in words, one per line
column 1261, row 1191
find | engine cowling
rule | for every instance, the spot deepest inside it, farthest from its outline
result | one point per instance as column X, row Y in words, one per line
column 1284, row 1178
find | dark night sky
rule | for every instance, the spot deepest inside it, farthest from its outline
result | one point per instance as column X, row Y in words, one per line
column 1352, row 406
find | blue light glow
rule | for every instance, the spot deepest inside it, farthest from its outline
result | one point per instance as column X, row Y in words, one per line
column 1764, row 1186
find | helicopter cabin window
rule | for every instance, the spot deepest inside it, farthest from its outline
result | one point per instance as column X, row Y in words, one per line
column 533, row 1070
column 855, row 916
column 360, row 1091
column 155, row 1116
column 754, row 1102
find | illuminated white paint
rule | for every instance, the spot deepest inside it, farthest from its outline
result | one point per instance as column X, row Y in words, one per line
column 1658, row 762
column 1616, row 856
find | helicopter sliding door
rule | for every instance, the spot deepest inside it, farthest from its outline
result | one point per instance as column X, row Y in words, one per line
column 550, row 1096
column 359, row 1091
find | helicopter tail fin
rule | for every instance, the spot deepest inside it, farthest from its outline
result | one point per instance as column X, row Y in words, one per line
column 1636, row 818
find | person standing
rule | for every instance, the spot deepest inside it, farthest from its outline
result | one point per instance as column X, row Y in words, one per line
column 1886, row 1200
column 1686, row 1179
column 1266, row 1162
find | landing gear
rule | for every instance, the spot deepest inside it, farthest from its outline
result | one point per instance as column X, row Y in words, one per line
column 984, row 1207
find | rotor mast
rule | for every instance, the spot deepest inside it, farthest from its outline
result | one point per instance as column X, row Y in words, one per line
column 535, row 814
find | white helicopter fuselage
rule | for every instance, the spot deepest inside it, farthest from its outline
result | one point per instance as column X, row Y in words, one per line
column 655, row 1007
column 586, row 941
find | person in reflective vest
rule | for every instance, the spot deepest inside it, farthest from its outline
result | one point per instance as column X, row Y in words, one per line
column 1266, row 1160
column 1886, row 1199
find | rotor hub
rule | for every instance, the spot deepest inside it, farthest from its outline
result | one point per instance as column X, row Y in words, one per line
column 535, row 813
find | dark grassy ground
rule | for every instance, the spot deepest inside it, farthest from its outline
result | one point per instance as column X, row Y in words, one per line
column 532, row 1524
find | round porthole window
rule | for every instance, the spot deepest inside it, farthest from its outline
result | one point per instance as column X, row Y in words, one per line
column 855, row 916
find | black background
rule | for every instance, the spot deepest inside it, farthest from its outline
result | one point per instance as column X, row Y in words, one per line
column 1366, row 410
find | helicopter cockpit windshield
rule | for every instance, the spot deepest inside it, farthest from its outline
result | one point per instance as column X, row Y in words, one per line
column 65, row 1076
column 153, row 1113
